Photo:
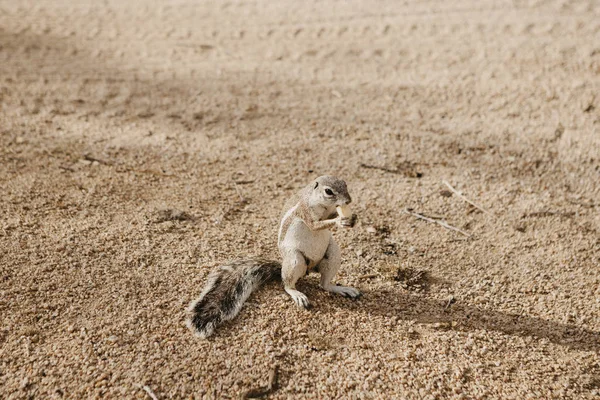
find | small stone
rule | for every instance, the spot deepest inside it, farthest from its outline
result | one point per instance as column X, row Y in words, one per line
column 371, row 229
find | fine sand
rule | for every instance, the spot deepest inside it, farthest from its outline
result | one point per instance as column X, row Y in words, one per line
column 143, row 142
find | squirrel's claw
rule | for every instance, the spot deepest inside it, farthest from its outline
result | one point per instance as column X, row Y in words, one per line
column 348, row 222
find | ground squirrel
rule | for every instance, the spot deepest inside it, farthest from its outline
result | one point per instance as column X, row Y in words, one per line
column 305, row 244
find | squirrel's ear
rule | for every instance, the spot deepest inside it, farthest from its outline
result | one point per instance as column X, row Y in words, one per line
column 316, row 185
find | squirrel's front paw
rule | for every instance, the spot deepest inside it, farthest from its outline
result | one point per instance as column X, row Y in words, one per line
column 348, row 222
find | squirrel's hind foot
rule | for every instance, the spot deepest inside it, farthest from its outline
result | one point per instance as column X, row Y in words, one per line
column 299, row 298
column 344, row 291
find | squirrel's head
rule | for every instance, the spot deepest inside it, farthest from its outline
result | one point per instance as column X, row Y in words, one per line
column 330, row 191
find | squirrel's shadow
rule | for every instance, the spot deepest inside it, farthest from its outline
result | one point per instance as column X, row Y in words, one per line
column 400, row 303
column 466, row 317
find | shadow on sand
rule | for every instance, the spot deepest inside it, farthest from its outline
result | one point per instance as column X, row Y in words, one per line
column 428, row 311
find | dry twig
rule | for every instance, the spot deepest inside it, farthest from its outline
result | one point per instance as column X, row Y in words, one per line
column 549, row 214
column 239, row 193
column 451, row 301
column 406, row 168
column 393, row 171
column 441, row 223
column 149, row 391
column 465, row 199
column 246, row 182
column 66, row 168
column 98, row 160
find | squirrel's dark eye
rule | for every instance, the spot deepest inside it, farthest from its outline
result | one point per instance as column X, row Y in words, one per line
column 328, row 192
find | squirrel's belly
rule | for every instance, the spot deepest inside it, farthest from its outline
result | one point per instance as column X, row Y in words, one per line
column 313, row 244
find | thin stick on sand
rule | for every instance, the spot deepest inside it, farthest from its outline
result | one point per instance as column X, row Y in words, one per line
column 465, row 199
column 89, row 157
column 435, row 221
column 149, row 391
column 242, row 198
column 393, row 171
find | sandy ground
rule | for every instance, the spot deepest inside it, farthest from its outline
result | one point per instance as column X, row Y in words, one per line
column 112, row 112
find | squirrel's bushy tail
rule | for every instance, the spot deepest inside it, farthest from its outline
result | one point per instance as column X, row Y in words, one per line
column 227, row 289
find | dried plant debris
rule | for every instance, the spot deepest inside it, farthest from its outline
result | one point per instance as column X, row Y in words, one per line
column 90, row 158
column 405, row 168
column 170, row 215
column 441, row 223
column 413, row 279
column 545, row 213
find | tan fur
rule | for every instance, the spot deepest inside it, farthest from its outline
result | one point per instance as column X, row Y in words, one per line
column 305, row 242
column 304, row 235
